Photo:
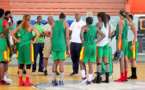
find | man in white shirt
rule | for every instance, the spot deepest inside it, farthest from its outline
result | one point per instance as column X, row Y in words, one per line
column 47, row 44
column 76, row 43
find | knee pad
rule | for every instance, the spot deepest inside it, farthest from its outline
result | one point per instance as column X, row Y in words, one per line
column 21, row 66
column 28, row 66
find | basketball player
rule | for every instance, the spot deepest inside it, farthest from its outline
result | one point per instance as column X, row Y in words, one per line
column 103, row 46
column 132, row 48
column 4, row 55
column 60, row 44
column 18, row 36
column 110, row 51
column 122, row 44
column 26, row 52
column 88, row 52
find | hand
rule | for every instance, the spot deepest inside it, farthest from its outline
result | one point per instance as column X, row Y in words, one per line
column 131, row 47
column 83, row 42
column 18, row 40
column 117, row 47
column 68, row 53
column 32, row 42
column 2, row 35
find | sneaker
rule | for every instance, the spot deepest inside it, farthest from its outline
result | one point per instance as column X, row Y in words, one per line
column 45, row 72
column 29, row 84
column 132, row 77
column 7, row 79
column 54, row 83
column 21, row 83
column 24, row 72
column 84, row 80
column 73, row 74
column 88, row 82
column 57, row 73
column 40, row 71
column 105, row 81
column 4, row 83
column 33, row 73
column 8, row 73
column 61, row 83
column 97, row 80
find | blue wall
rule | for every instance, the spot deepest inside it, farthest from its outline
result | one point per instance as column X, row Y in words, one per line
column 114, row 20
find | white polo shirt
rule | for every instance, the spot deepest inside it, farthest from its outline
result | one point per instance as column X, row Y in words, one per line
column 47, row 28
column 76, row 29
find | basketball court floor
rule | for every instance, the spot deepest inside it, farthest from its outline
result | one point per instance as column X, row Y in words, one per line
column 72, row 82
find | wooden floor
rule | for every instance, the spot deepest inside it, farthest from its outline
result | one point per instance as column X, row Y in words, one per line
column 40, row 78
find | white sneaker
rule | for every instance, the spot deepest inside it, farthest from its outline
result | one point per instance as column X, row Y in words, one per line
column 7, row 80
column 84, row 81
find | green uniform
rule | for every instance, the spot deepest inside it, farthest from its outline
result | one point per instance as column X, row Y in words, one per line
column 103, row 51
column 18, row 36
column 88, row 51
column 59, row 46
column 40, row 30
column 123, row 43
column 4, row 55
column 26, row 51
column 110, row 64
column 132, row 54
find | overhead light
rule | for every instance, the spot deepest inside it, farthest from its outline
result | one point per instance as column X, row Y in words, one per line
column 139, row 15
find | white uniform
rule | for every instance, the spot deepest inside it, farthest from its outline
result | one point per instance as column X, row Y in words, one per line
column 105, row 30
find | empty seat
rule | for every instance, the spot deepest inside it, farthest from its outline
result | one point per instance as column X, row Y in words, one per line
column 32, row 22
column 69, row 22
column 43, row 22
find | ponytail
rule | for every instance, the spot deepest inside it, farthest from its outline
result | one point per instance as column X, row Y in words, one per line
column 25, row 23
column 103, row 17
column 125, row 14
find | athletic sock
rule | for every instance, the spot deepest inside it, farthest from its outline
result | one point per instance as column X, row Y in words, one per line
column 83, row 73
column 5, row 75
column 20, row 78
column 107, row 71
column 89, row 77
column 27, row 79
column 121, row 79
column 134, row 72
column 53, row 75
column 61, row 76
column 125, row 76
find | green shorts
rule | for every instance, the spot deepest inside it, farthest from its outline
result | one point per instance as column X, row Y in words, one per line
column 26, row 54
column 132, row 54
column 5, row 55
column 103, row 51
column 123, row 46
column 88, row 53
column 58, row 55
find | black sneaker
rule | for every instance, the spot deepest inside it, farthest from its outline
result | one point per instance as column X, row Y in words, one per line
column 57, row 73
column 73, row 74
column 88, row 82
column 40, row 71
column 24, row 72
column 97, row 80
column 45, row 72
column 105, row 81
column 132, row 77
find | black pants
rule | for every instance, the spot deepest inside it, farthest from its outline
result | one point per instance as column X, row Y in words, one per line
column 75, row 54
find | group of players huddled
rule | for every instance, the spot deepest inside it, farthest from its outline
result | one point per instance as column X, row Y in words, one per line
column 96, row 47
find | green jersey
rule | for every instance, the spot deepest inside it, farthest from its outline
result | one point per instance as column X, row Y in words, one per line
column 89, row 37
column 18, row 36
column 40, row 30
column 124, row 32
column 25, row 37
column 58, row 37
column 3, row 45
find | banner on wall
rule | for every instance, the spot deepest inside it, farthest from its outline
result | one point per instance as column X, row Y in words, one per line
column 89, row 14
